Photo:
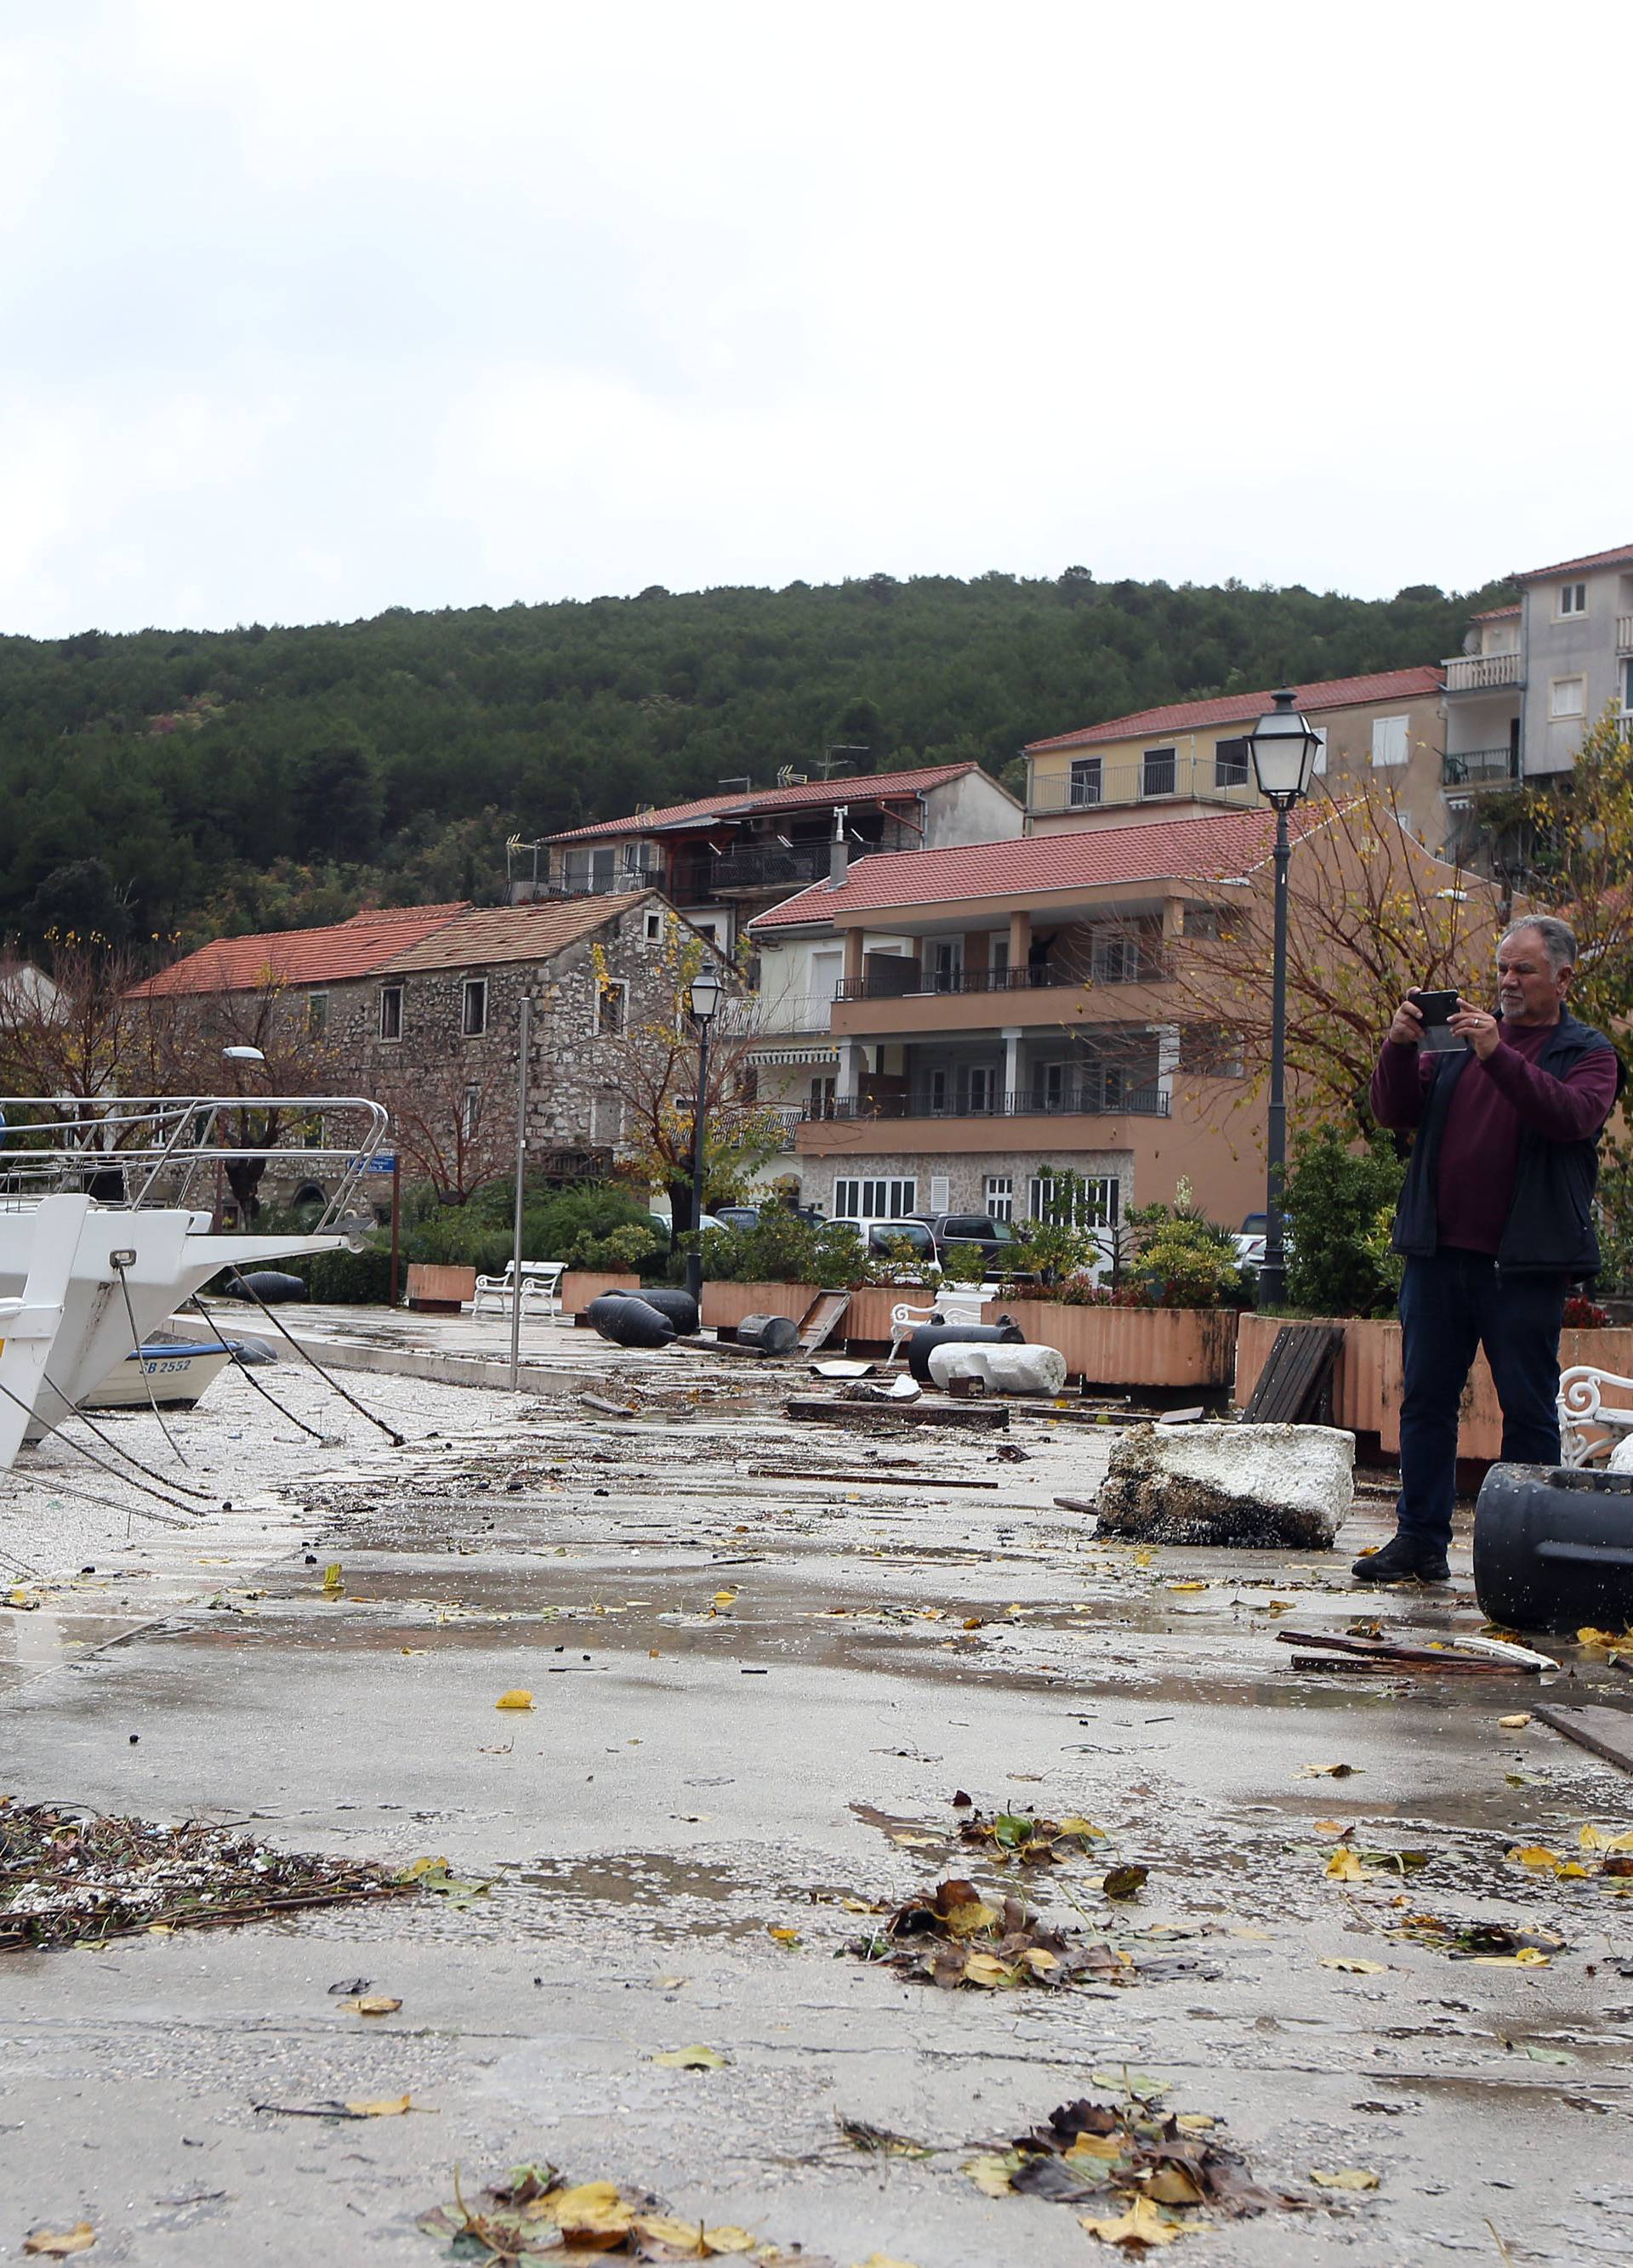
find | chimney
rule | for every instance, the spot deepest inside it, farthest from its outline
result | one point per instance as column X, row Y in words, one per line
column 839, row 851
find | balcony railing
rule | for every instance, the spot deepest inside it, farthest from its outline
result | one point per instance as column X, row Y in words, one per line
column 777, row 867
column 1624, row 633
column 1475, row 767
column 1093, row 782
column 1108, row 1096
column 1482, row 673
column 580, row 882
column 921, row 983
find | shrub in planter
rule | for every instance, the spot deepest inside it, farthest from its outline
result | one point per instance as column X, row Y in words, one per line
column 1338, row 1203
column 1186, row 1262
column 782, row 1248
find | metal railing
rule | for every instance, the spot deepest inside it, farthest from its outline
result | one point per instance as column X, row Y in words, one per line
column 1146, row 968
column 1482, row 673
column 1472, row 766
column 135, row 1151
column 1106, row 1096
column 585, row 884
column 772, row 868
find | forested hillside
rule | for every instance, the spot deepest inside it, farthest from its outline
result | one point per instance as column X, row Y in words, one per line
column 185, row 782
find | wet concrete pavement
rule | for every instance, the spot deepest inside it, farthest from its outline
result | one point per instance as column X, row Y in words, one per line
column 756, row 1694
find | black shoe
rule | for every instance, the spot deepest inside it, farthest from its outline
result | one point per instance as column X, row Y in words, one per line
column 1403, row 1559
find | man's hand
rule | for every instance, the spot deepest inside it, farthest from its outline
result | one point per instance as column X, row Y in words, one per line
column 1407, row 1030
column 1483, row 1032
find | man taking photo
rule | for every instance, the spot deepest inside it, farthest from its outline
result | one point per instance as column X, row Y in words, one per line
column 1494, row 1218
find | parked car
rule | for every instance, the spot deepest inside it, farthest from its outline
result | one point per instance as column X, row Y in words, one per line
column 665, row 1225
column 976, row 1228
column 884, row 1236
column 1249, row 1241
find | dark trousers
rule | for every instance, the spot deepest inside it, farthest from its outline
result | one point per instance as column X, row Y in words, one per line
column 1450, row 1305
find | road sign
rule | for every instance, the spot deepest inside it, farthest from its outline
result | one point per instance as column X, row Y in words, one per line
column 383, row 1161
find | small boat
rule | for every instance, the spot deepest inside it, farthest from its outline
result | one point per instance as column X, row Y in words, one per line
column 164, row 1374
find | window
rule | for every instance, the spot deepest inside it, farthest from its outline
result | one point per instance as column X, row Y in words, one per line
column 1627, row 688
column 1572, row 599
column 940, row 1192
column 983, row 1088
column 1208, row 923
column 653, row 926
column 473, row 1008
column 1320, row 765
column 1389, row 741
column 1566, row 697
column 998, row 961
column 1231, row 764
column 607, row 1119
column 1087, row 781
column 947, row 965
column 1159, row 771
column 874, row 1200
column 936, row 1091
column 317, row 1014
column 588, row 870
column 612, row 1009
column 1210, row 1051
column 1075, row 1202
column 470, row 1112
column 391, row 1012
column 1000, row 1196
column 821, row 1102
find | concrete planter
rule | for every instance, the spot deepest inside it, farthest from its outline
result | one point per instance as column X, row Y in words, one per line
column 1367, row 1379
column 1134, row 1346
column 729, row 1303
column 439, row 1290
column 580, row 1285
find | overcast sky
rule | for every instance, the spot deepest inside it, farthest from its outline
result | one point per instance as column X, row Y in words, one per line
column 328, row 306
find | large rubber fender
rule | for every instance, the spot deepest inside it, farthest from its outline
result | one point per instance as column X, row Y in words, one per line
column 772, row 1333
column 629, row 1321
column 928, row 1336
column 270, row 1285
column 1554, row 1548
column 679, row 1306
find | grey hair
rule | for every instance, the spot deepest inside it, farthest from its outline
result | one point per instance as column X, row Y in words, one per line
column 1557, row 940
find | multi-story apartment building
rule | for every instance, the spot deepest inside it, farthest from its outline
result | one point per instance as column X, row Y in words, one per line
column 722, row 858
column 1532, row 676
column 1193, row 755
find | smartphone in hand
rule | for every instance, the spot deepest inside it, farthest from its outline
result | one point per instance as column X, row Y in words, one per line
column 1437, row 1009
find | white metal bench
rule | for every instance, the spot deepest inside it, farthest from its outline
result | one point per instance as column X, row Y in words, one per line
column 1581, row 1404
column 961, row 1306
column 541, row 1288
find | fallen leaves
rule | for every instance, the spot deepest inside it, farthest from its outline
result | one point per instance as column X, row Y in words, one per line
column 1328, row 1772
column 1345, row 1866
column 373, row 2004
column 1517, row 1723
column 534, row 2215
column 1124, row 1882
column 952, row 1937
column 52, row 2244
column 518, row 1697
column 1346, row 2178
column 1351, row 1967
column 1142, row 2224
column 695, row 2058
column 1020, row 1838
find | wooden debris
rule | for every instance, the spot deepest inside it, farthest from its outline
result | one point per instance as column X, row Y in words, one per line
column 1606, row 1733
column 872, row 1416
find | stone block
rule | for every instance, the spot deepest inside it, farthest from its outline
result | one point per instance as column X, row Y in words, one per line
column 1258, row 1487
column 1000, row 1369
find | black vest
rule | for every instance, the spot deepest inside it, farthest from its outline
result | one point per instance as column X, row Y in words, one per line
column 1549, row 1229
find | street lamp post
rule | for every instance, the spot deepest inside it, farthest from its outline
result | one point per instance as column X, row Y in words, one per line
column 1284, row 749
column 705, row 1000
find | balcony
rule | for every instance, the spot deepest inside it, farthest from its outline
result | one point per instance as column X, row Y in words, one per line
column 601, row 881
column 1105, row 1095
column 1482, row 673
column 916, row 982
column 1624, row 633
column 1093, row 783
column 776, row 866
column 1480, row 768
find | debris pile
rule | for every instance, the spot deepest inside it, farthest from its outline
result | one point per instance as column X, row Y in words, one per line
column 73, row 1878
column 534, row 2215
column 951, row 1936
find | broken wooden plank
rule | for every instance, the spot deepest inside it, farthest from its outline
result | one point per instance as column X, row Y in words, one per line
column 1608, row 1732
column 868, row 1416
column 817, row 1324
column 1293, row 1384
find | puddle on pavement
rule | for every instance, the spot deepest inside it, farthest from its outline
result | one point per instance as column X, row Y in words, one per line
column 659, row 1896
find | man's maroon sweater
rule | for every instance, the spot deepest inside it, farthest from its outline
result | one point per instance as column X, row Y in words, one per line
column 1492, row 1104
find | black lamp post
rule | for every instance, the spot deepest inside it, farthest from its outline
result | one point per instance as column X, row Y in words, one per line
column 1284, row 752
column 705, row 1000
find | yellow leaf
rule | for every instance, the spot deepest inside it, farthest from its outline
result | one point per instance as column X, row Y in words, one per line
column 1516, row 1723
column 54, row 2246
column 784, row 1936
column 1594, row 1839
column 1592, row 1637
column 518, row 1697
column 1330, row 1826
column 970, row 1920
column 1345, row 1866
column 1527, row 1957
column 984, row 1969
column 1195, row 2122
column 381, row 2106
column 692, row 2059
column 1568, row 1871
column 664, row 2229
column 1085, row 1827
column 1103, row 2147
column 725, row 1598
column 1355, row 1968
column 416, row 1868
column 1040, row 1961
column 991, row 2172
column 373, row 2004
column 729, row 2239
column 1141, row 2225
column 592, row 2209
column 333, row 1576
column 1327, row 1771
column 1173, row 2185
column 1533, row 1855
column 882, row 2260
column 1187, row 1587
column 1346, row 2177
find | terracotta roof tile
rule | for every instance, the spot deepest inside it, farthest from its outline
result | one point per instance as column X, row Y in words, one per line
column 1205, row 849
column 864, row 787
column 1496, row 614
column 303, row 956
column 1246, row 708
column 485, row 935
column 1622, row 557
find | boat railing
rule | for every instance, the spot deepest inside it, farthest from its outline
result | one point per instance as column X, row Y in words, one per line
column 142, row 1151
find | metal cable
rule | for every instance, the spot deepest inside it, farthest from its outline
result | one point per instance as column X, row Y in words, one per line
column 204, row 1496
column 136, row 1349
column 397, row 1440
column 246, row 1371
column 112, row 1470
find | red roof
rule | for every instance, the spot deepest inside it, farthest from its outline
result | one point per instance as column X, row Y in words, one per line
column 1207, row 849
column 1623, row 556
column 866, row 787
column 303, row 956
column 481, row 936
column 1496, row 613
column 1247, row 708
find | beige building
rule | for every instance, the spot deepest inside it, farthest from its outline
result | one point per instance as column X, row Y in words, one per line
column 1387, row 729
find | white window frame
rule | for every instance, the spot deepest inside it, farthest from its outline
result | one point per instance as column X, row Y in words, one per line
column 1242, row 764
column 1571, row 602
column 1149, row 794
column 998, row 1191
column 1391, row 741
column 875, row 1196
column 470, row 1112
column 1627, row 687
column 1557, row 713
column 1319, row 766
column 998, row 956
column 615, row 988
column 1101, row 1206
column 1085, row 783
column 391, row 992
column 941, row 1193
column 473, row 1008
